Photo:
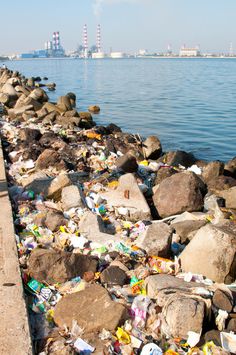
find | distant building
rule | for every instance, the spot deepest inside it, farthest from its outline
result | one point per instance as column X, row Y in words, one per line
column 189, row 52
column 142, row 52
column 117, row 55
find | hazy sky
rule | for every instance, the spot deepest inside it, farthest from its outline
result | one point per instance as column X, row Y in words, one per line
column 127, row 25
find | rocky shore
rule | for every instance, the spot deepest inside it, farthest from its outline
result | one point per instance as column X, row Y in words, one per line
column 123, row 248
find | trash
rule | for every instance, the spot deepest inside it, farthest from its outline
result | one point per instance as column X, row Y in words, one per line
column 228, row 341
column 122, row 336
column 151, row 349
column 139, row 311
column 83, row 347
column 221, row 318
column 193, row 338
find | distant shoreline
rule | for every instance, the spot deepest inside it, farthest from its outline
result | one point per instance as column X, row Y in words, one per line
column 108, row 58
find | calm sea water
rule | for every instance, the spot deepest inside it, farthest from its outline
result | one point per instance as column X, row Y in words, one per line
column 190, row 104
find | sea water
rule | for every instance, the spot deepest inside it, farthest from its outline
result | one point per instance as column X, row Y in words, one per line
column 190, row 104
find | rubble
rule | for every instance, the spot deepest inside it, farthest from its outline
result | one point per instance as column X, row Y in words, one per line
column 123, row 248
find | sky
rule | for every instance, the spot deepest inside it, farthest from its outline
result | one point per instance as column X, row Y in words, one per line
column 127, row 25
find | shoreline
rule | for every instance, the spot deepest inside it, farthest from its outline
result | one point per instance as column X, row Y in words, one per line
column 108, row 224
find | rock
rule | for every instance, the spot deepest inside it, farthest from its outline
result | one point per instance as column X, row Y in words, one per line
column 129, row 196
column 51, row 107
column 29, row 134
column 112, row 128
column 164, row 173
column 57, row 185
column 86, row 116
column 221, row 183
column 223, row 299
column 70, row 197
column 4, row 98
column 230, row 168
column 92, row 308
column 72, row 98
column 127, row 163
column 93, row 227
column 212, row 170
column 68, row 122
column 181, row 315
column 54, row 220
column 185, row 191
column 179, row 157
column 38, row 182
column 18, row 112
column 113, row 275
column 9, row 90
column 30, row 82
column 39, row 95
column 231, row 325
column 163, row 282
column 64, row 104
column 94, row 109
column 212, row 335
column 152, row 148
column 211, row 253
column 156, row 240
column 47, row 265
column 50, row 158
column 230, row 197
column 185, row 228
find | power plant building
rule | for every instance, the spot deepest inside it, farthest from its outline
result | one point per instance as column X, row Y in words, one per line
column 189, row 52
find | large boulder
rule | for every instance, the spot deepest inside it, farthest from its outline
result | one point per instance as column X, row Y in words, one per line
column 183, row 314
column 212, row 253
column 129, row 196
column 92, row 308
column 156, row 240
column 152, row 148
column 9, row 90
column 29, row 134
column 46, row 265
column 179, row 193
column 230, row 167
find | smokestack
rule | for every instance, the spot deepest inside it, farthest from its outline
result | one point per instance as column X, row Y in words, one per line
column 99, row 38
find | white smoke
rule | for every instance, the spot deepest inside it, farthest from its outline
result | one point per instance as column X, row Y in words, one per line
column 98, row 4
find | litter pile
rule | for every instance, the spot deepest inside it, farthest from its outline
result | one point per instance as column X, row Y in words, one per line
column 124, row 249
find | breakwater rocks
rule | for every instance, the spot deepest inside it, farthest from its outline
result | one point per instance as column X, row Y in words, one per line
column 123, row 248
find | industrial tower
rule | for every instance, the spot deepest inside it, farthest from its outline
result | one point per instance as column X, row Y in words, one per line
column 85, row 41
column 98, row 38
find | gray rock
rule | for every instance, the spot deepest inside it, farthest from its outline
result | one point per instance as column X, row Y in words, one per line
column 211, row 253
column 52, row 266
column 93, row 228
column 113, row 275
column 92, row 308
column 181, row 315
column 179, row 157
column 212, row 170
column 70, row 197
column 223, row 299
column 179, row 193
column 54, row 220
column 129, row 196
column 183, row 229
column 127, row 163
column 155, row 284
column 9, row 90
column 230, row 197
column 156, row 240
column 152, row 148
